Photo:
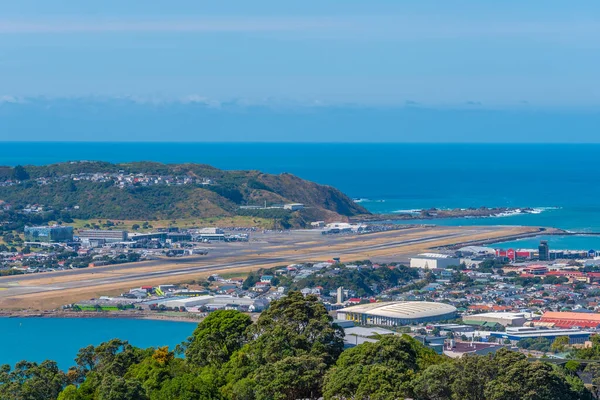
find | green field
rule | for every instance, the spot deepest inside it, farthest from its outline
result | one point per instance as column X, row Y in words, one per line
column 103, row 308
column 237, row 221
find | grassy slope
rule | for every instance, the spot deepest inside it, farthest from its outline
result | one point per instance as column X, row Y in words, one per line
column 222, row 199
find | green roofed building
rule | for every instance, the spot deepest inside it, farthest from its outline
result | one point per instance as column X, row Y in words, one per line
column 483, row 324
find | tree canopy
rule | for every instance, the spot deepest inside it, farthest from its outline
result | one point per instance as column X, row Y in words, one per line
column 293, row 351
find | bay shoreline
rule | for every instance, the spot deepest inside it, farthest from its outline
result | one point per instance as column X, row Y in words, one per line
column 185, row 317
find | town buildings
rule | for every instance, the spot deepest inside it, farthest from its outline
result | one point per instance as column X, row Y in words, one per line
column 55, row 233
column 397, row 313
column 97, row 237
column 433, row 261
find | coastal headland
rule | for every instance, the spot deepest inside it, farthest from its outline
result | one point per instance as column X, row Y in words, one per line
column 53, row 289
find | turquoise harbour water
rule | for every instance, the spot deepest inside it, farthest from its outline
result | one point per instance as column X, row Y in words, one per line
column 554, row 242
column 59, row 339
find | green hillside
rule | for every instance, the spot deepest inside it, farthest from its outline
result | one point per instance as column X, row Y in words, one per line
column 147, row 190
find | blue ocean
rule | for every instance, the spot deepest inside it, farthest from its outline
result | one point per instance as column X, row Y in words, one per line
column 558, row 180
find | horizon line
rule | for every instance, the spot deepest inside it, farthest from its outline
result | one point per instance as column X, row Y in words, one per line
column 290, row 142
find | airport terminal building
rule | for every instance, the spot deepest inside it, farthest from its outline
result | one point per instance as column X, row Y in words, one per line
column 397, row 313
column 100, row 237
column 48, row 234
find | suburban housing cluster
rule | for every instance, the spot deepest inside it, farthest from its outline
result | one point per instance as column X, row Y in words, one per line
column 121, row 179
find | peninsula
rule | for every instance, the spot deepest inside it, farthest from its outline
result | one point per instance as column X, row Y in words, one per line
column 149, row 191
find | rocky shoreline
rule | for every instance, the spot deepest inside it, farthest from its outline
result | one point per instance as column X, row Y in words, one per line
column 435, row 213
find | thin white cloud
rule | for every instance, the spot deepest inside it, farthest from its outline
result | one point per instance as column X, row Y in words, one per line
column 584, row 32
column 180, row 25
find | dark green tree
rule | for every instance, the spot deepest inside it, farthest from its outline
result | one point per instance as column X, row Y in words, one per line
column 435, row 383
column 117, row 388
column 529, row 381
column 32, row 381
column 291, row 378
column 217, row 337
column 19, row 173
column 382, row 370
column 296, row 325
column 250, row 281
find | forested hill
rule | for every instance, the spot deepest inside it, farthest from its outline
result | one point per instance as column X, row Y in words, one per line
column 148, row 190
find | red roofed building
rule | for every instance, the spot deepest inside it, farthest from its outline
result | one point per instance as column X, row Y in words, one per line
column 538, row 302
column 526, row 275
column 566, row 273
column 536, row 269
column 572, row 319
column 480, row 307
column 571, row 275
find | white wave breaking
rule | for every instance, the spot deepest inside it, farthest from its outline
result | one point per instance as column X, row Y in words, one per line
column 511, row 213
column 361, row 200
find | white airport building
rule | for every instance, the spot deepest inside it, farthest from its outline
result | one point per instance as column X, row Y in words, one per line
column 433, row 261
column 97, row 237
column 344, row 227
column 216, row 302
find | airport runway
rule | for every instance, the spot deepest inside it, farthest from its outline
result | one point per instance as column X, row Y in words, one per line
column 49, row 290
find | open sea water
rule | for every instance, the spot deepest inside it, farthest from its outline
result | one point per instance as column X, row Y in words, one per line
column 558, row 180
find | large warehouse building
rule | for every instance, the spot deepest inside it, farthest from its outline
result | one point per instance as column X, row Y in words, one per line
column 572, row 319
column 397, row 313
column 433, row 260
column 502, row 318
column 517, row 334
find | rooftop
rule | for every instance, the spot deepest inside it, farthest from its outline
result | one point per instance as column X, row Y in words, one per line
column 503, row 315
column 434, row 255
column 402, row 309
column 579, row 316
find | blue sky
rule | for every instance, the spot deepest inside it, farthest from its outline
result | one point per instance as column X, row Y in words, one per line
column 438, row 53
column 312, row 70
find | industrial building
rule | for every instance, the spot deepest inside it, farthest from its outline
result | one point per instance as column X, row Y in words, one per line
column 397, row 313
column 209, row 234
column 97, row 237
column 48, row 234
column 173, row 237
column 433, row 261
column 454, row 349
column 571, row 319
column 217, row 302
column 502, row 318
column 161, row 236
column 293, row 206
column 515, row 334
column 343, row 227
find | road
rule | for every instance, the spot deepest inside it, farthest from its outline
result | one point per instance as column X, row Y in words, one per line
column 49, row 290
